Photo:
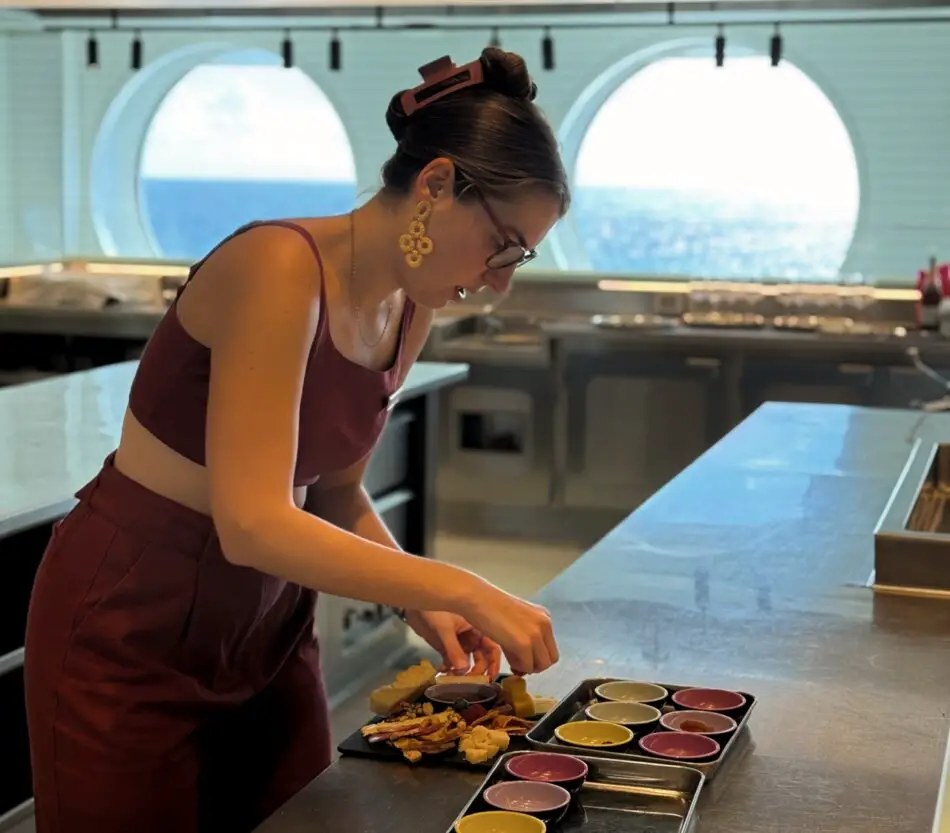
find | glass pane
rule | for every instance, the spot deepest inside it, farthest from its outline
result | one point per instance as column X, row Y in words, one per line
column 745, row 171
column 237, row 140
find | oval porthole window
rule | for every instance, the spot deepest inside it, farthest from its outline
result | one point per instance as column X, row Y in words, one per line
column 745, row 171
column 239, row 139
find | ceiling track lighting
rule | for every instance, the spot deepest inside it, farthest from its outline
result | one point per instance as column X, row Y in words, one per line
column 137, row 51
column 287, row 50
column 547, row 50
column 495, row 40
column 775, row 47
column 721, row 47
column 335, row 56
column 92, row 51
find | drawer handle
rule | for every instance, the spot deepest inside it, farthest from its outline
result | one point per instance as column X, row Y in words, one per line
column 704, row 362
column 855, row 369
column 12, row 661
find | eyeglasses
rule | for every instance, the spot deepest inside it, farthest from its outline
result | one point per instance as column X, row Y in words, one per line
column 512, row 252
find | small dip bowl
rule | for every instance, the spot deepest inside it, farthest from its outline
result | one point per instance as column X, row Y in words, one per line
column 708, row 699
column 446, row 695
column 680, row 746
column 594, row 734
column 498, row 821
column 549, row 767
column 534, row 798
column 639, row 718
column 709, row 723
column 629, row 692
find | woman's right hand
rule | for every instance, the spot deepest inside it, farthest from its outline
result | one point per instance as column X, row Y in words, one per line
column 522, row 629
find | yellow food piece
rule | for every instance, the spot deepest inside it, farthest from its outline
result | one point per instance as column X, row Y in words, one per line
column 450, row 679
column 480, row 744
column 543, row 705
column 514, row 691
column 407, row 687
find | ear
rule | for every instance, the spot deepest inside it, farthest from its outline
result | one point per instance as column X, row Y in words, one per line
column 436, row 182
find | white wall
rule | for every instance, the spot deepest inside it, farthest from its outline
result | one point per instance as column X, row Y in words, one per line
column 6, row 135
column 34, row 113
column 890, row 83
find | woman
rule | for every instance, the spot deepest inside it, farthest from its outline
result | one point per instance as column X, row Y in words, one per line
column 172, row 675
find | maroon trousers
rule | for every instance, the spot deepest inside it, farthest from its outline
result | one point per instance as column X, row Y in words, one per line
column 167, row 690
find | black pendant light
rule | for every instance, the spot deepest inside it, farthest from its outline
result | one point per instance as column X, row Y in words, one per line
column 775, row 47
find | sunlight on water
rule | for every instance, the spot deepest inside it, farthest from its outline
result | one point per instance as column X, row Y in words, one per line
column 745, row 171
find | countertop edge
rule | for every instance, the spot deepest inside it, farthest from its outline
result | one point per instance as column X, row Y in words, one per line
column 442, row 375
column 942, row 811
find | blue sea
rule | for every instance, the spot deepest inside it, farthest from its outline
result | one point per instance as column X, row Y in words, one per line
column 647, row 232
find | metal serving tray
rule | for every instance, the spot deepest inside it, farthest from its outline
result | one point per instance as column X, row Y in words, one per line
column 912, row 538
column 617, row 797
column 572, row 708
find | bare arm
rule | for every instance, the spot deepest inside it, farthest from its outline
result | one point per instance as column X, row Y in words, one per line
column 347, row 504
column 261, row 340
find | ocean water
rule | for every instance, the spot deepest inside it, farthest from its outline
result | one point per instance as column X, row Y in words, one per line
column 650, row 232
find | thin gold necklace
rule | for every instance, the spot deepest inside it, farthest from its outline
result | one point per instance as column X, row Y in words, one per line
column 357, row 307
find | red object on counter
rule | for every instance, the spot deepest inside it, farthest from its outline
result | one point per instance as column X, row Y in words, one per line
column 943, row 284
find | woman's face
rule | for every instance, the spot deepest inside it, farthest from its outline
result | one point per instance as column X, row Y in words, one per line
column 477, row 241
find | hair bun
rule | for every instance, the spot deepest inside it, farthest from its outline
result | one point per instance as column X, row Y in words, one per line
column 396, row 118
column 507, row 73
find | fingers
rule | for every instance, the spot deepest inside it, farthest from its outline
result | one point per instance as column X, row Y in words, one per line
column 550, row 643
column 520, row 656
column 453, row 654
column 542, row 659
column 539, row 650
column 487, row 659
column 479, row 663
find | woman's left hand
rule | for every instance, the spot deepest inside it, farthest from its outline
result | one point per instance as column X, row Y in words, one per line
column 463, row 648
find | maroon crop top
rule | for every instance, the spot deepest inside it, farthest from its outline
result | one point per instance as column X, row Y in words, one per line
column 343, row 408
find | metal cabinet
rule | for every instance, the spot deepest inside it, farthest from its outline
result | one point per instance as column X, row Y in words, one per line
column 389, row 465
column 801, row 380
column 357, row 637
column 903, row 386
column 634, row 420
column 496, row 437
column 15, row 786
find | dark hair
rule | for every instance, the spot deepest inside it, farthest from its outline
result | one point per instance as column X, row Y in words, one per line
column 493, row 132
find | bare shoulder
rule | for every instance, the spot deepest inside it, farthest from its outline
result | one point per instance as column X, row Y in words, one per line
column 268, row 250
column 267, row 260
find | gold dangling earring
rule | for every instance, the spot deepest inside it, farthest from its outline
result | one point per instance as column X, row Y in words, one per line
column 415, row 245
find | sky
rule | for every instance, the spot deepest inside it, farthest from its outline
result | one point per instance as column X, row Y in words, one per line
column 748, row 129
column 249, row 122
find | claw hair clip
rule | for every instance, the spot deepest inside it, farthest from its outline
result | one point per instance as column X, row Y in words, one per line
column 439, row 79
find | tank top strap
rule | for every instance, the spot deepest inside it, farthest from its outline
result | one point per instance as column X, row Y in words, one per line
column 287, row 224
column 408, row 311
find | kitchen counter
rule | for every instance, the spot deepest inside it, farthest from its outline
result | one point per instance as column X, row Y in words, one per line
column 749, row 570
column 131, row 322
column 57, row 432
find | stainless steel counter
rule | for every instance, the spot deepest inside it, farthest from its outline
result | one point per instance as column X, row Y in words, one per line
column 747, row 570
